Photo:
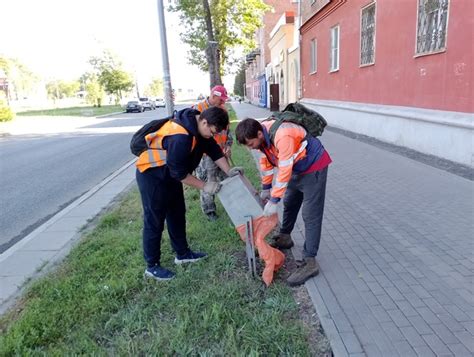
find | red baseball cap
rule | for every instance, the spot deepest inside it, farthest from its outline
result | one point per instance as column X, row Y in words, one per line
column 220, row 91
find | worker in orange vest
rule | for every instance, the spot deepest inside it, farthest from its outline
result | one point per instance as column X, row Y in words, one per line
column 302, row 163
column 207, row 169
column 173, row 153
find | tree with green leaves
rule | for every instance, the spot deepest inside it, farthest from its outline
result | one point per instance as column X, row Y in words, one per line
column 95, row 91
column 107, row 69
column 155, row 88
column 62, row 89
column 22, row 80
column 239, row 81
column 116, row 81
column 213, row 28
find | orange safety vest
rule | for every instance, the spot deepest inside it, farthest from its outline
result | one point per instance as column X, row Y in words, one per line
column 155, row 156
column 289, row 135
column 202, row 106
column 220, row 138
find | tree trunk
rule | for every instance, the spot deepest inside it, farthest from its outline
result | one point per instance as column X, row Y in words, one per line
column 212, row 48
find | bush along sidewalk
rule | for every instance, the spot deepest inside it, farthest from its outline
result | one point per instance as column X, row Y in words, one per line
column 6, row 114
column 98, row 302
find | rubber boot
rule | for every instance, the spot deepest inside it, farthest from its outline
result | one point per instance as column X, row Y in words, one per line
column 308, row 269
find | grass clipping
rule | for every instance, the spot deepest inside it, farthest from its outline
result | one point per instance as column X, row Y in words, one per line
column 98, row 302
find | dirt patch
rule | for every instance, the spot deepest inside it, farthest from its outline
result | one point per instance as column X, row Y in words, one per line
column 317, row 340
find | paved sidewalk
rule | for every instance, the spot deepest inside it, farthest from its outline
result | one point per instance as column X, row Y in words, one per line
column 396, row 254
column 52, row 241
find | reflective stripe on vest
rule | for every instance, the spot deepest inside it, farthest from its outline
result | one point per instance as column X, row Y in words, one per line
column 155, row 155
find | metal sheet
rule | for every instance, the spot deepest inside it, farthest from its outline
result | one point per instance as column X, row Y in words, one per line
column 240, row 199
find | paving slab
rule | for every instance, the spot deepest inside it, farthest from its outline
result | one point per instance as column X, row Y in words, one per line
column 396, row 254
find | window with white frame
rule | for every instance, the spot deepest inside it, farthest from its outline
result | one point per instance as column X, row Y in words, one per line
column 432, row 26
column 367, row 35
column 313, row 56
column 334, row 55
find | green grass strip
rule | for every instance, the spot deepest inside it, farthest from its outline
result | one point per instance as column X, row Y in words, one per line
column 98, row 302
column 75, row 111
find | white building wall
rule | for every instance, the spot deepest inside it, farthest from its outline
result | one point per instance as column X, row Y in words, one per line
column 449, row 135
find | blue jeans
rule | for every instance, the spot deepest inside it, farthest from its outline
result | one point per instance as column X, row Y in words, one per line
column 162, row 199
column 308, row 190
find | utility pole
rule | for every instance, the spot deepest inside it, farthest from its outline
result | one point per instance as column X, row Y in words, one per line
column 164, row 56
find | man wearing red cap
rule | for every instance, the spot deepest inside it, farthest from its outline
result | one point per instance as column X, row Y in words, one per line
column 207, row 170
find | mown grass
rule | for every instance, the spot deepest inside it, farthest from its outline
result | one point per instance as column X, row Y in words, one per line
column 75, row 111
column 97, row 301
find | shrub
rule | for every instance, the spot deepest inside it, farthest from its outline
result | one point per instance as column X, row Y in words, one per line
column 6, row 114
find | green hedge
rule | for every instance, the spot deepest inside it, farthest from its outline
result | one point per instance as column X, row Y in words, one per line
column 6, row 114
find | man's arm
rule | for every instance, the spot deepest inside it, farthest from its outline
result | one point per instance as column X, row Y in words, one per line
column 190, row 180
column 223, row 164
column 209, row 187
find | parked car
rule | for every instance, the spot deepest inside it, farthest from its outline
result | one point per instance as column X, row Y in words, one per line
column 146, row 103
column 160, row 103
column 134, row 106
column 153, row 104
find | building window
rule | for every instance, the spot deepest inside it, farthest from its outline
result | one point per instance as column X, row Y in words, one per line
column 432, row 25
column 313, row 56
column 367, row 35
column 334, row 55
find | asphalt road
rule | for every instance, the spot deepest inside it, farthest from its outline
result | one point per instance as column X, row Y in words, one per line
column 42, row 172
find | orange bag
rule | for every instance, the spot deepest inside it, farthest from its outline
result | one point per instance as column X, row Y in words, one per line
column 272, row 257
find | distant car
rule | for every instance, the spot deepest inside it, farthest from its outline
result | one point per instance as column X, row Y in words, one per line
column 153, row 104
column 134, row 106
column 147, row 103
column 160, row 103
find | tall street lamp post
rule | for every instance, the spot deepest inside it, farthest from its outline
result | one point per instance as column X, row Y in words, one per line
column 164, row 56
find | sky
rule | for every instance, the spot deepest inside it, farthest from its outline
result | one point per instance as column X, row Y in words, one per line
column 55, row 39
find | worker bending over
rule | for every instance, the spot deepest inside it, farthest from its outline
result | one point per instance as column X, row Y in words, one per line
column 174, row 152
column 302, row 164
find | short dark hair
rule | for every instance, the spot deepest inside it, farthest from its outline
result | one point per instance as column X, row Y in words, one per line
column 247, row 129
column 217, row 117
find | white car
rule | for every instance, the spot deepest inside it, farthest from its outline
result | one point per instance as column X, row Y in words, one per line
column 146, row 103
column 160, row 103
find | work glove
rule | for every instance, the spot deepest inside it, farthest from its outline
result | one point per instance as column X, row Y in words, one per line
column 212, row 187
column 236, row 170
column 265, row 195
column 270, row 209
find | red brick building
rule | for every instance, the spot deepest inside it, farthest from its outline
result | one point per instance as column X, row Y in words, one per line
column 393, row 69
